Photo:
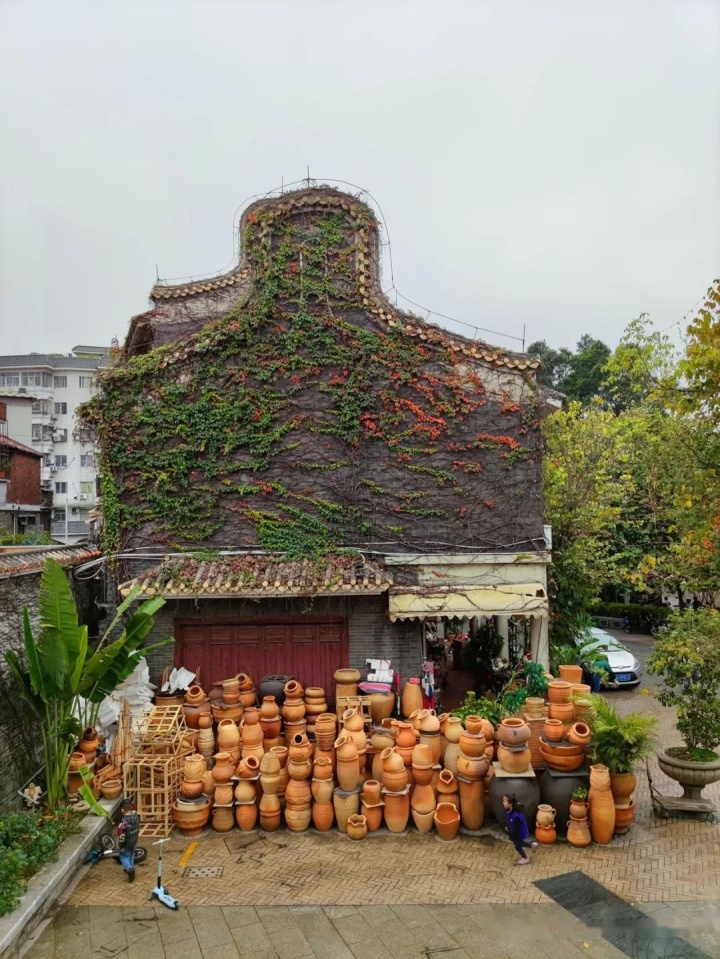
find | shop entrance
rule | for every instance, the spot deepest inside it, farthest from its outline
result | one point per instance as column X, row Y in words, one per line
column 310, row 649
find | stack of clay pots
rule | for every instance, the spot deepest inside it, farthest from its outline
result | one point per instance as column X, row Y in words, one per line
column 253, row 736
column 622, row 786
column 192, row 807
column 271, row 722
column 564, row 749
column 246, row 689
column 346, row 681
column 293, row 709
column 405, row 740
column 325, row 730
column 513, row 753
column 298, row 794
column 535, row 714
column 578, row 833
column 423, row 799
column 354, row 726
column 451, row 734
column 372, row 805
column 475, row 750
column 206, row 737
column 247, row 777
column 545, row 831
column 396, row 788
column 428, row 726
column 559, row 696
column 315, row 704
column 322, row 789
column 196, row 704
column 411, row 698
column 222, row 773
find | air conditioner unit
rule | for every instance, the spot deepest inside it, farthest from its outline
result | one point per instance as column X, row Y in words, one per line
column 58, row 436
column 53, row 417
column 82, row 496
column 53, row 469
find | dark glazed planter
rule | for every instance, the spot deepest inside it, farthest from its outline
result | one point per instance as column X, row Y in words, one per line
column 274, row 686
column 556, row 789
column 525, row 788
column 693, row 777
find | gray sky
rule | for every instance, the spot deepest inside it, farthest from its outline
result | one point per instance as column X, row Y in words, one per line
column 541, row 163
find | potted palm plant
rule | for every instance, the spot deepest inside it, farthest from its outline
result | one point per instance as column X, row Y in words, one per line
column 687, row 658
column 619, row 742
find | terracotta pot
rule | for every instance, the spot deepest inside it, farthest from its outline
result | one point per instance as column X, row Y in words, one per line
column 447, row 821
column 513, row 732
column 224, row 794
column 579, row 734
column 195, row 695
column 323, row 768
column 270, row 821
column 535, row 707
column 624, row 817
column 473, row 725
column 472, row 767
column 347, row 675
column 282, row 754
column 293, row 690
column 381, row 706
column 571, row 674
column 545, row 835
column 89, row 741
column 216, row 691
column 553, row 730
column 224, row 768
column 208, row 784
column 622, row 786
column 230, row 685
column 301, row 770
column 514, row 762
column 397, row 810
column 322, row 790
column 422, row 755
column 357, row 827
column 192, row 713
column 424, row 822
column 545, row 815
column 346, row 804
column 392, row 760
column 452, row 752
column 248, row 698
column 565, row 712
column 269, row 804
column 323, row 816
column 472, row 744
column 231, row 698
column 405, row 737
column 453, row 729
column 205, row 721
column 602, row 805
column 219, row 711
column 428, row 721
column 472, row 803
column 269, row 708
column 246, row 815
column 189, row 788
column 246, row 790
column 223, row 819
column 563, row 750
column 194, row 768
column 77, row 760
column 578, row 833
column 228, row 735
column 298, row 820
column 411, row 698
column 248, row 767
column 298, row 794
column 293, row 710
column 352, row 720
column 563, row 763
column 371, row 792
column 373, row 813
column 423, row 799
column 395, row 780
column 421, row 775
column 300, row 747
column 206, row 742
column 434, row 742
column 112, row 788
column 559, row 691
column 192, row 818
column 578, row 809
column 244, row 682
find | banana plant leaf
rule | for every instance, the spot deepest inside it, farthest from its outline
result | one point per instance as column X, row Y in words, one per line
column 59, row 639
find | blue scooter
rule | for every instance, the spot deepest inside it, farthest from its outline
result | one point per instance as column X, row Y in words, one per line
column 160, row 892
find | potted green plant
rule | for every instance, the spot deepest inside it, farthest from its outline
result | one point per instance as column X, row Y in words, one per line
column 619, row 742
column 64, row 680
column 687, row 659
column 578, row 803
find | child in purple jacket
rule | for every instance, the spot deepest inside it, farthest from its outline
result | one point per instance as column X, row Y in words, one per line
column 517, row 828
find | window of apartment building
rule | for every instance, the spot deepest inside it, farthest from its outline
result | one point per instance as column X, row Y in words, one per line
column 36, row 432
column 61, row 461
column 31, row 379
column 59, row 381
column 47, row 459
column 58, row 436
column 85, row 382
column 9, row 379
column 58, row 516
column 47, row 433
column 87, row 459
column 41, row 407
column 87, row 487
column 61, row 487
column 60, row 408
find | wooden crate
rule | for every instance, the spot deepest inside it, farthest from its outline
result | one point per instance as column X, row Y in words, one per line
column 163, row 732
column 152, row 782
column 350, row 702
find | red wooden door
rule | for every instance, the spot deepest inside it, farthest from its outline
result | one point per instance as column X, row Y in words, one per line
column 309, row 649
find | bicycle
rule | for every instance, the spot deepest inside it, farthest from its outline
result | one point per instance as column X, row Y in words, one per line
column 109, row 849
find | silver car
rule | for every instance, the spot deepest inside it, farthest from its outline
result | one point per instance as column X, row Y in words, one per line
column 627, row 669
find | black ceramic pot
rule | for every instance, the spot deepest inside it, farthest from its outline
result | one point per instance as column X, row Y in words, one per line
column 526, row 790
column 274, row 686
column 556, row 789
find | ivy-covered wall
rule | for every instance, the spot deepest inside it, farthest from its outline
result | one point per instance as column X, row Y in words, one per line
column 290, row 407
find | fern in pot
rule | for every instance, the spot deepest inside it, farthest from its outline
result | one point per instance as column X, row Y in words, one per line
column 619, row 742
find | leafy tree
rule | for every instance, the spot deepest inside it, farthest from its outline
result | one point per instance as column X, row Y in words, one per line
column 578, row 375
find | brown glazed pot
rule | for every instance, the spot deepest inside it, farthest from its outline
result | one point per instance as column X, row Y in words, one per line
column 447, row 821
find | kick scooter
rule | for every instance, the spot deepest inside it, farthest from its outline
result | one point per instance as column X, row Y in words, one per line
column 160, row 892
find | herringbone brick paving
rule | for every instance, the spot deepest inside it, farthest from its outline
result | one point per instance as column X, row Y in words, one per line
column 657, row 861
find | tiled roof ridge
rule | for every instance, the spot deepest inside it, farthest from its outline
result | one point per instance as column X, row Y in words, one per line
column 55, row 361
column 19, row 563
column 21, row 447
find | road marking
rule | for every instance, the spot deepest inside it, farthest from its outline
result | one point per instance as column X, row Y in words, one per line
column 186, row 855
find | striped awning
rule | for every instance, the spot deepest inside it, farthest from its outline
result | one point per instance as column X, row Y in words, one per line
column 508, row 599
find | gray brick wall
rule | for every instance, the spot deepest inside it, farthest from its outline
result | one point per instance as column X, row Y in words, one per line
column 370, row 632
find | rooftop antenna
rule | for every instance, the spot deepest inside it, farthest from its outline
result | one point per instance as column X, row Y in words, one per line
column 308, row 176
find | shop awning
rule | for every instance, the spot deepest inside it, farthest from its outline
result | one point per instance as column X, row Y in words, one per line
column 509, row 599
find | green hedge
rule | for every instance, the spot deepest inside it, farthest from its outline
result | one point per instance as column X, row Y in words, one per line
column 27, row 842
column 636, row 611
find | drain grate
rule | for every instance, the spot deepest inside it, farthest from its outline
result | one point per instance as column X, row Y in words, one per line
column 203, row 872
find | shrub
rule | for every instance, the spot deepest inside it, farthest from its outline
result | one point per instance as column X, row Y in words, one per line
column 486, row 708
column 687, row 658
column 27, row 842
column 636, row 611
column 619, row 742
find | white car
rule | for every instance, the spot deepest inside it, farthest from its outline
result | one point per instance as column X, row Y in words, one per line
column 627, row 669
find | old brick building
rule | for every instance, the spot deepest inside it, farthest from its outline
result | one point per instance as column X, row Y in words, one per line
column 23, row 508
column 346, row 469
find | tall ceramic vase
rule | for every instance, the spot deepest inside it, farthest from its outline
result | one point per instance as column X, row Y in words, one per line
column 602, row 805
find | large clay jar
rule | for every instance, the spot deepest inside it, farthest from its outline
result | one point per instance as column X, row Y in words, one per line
column 245, row 790
column 622, row 786
column 602, row 805
column 428, row 722
column 252, row 734
column 514, row 761
column 559, row 691
column 624, row 818
column 322, row 768
column 450, row 760
column 223, row 794
column 300, row 748
column 298, row 794
column 298, row 820
column 447, row 821
column 405, row 737
column 228, row 735
column 222, row 818
column 472, row 767
column 565, row 712
column 192, row 713
column 323, row 816
column 421, row 775
column 397, row 810
column 579, row 734
column 300, row 770
column 453, row 729
column 246, row 815
column 513, row 732
column 357, row 827
column 270, row 813
column 223, row 769
column 347, row 767
column 381, row 705
column 191, row 817
column 293, row 710
column 269, row 708
column 527, row 790
column 248, row 698
column 195, row 695
column 472, row 744
column 545, row 815
column 411, row 700
column 346, row 804
column 373, row 814
column 553, row 730
column 193, row 768
column 372, row 792
column 546, row 835
column 189, row 788
column 423, row 799
column 472, row 803
column 271, row 728
column 578, row 833
column 322, row 790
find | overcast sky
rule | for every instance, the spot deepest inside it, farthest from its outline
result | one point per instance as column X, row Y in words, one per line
column 545, row 164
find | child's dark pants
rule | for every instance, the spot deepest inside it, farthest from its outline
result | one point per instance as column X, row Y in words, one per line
column 521, row 845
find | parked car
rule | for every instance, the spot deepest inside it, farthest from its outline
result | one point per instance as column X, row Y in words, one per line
column 628, row 671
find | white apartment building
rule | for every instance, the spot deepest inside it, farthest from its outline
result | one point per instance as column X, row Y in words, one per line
column 59, row 383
